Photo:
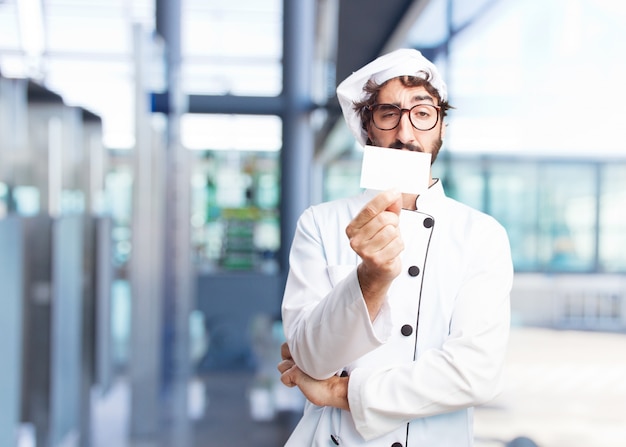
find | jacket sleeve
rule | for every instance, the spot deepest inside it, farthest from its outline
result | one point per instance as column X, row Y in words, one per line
column 465, row 371
column 321, row 300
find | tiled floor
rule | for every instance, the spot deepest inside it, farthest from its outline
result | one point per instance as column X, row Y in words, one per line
column 226, row 419
column 563, row 389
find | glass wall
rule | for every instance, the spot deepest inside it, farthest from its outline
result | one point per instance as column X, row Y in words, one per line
column 342, row 178
column 549, row 211
column 561, row 216
column 4, row 200
column 235, row 217
column 235, row 190
column 119, row 187
column 612, row 222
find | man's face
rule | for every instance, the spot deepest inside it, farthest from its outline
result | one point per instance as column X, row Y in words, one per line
column 405, row 136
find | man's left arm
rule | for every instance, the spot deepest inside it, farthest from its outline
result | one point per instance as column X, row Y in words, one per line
column 331, row 392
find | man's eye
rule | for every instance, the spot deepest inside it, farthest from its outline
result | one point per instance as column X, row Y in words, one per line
column 422, row 112
column 390, row 114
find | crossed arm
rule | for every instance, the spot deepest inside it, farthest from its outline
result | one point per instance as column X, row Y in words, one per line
column 332, row 392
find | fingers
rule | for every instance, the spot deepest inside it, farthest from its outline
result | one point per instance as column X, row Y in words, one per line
column 288, row 372
column 375, row 237
column 285, row 354
column 385, row 242
column 390, row 200
column 287, row 368
column 377, row 223
column 285, row 365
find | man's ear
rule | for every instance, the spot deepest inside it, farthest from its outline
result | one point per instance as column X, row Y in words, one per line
column 369, row 134
column 444, row 125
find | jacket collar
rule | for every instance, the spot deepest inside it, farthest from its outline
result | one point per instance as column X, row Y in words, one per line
column 431, row 196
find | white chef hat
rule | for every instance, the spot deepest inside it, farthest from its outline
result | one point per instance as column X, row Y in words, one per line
column 401, row 62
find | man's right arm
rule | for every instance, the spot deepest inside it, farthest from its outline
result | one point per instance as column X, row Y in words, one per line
column 374, row 235
column 328, row 320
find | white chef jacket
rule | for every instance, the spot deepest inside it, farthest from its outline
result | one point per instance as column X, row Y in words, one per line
column 436, row 348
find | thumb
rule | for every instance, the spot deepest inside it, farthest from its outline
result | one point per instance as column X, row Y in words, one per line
column 395, row 205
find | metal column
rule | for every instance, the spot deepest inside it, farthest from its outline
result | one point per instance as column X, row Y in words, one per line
column 145, row 359
column 178, row 271
column 298, row 138
column 12, row 280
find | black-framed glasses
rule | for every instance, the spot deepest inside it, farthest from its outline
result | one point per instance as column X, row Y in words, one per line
column 387, row 116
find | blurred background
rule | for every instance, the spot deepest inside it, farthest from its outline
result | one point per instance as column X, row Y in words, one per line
column 154, row 158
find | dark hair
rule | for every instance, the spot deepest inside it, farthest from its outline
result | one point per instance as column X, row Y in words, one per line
column 372, row 89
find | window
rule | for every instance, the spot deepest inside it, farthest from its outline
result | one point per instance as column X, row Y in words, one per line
column 235, row 190
column 612, row 236
column 567, row 217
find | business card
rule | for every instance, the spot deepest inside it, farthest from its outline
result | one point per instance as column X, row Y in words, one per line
column 385, row 168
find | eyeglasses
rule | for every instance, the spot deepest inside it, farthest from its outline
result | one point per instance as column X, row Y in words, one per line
column 387, row 116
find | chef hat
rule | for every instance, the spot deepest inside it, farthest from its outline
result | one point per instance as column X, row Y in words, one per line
column 397, row 63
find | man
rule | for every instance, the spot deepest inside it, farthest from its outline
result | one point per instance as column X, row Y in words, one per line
column 396, row 307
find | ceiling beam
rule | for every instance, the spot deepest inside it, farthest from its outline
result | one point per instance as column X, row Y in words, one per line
column 365, row 27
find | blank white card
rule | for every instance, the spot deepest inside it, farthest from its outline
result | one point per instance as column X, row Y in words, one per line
column 384, row 168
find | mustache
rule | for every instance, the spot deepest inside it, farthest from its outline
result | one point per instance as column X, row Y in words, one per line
column 410, row 147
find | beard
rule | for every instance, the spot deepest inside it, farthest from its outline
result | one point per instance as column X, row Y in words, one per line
column 433, row 149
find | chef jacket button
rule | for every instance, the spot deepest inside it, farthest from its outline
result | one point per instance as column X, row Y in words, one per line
column 406, row 330
column 396, row 444
column 429, row 222
column 414, row 270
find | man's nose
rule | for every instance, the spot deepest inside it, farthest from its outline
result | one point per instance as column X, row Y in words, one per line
column 405, row 129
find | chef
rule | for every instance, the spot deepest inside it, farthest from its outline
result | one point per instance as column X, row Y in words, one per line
column 396, row 308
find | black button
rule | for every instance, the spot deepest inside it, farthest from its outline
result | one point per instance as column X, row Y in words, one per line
column 406, row 330
column 335, row 439
column 396, row 444
column 414, row 270
column 429, row 222
column 344, row 373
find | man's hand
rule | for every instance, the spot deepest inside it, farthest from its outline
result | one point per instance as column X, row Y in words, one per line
column 331, row 392
column 375, row 236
